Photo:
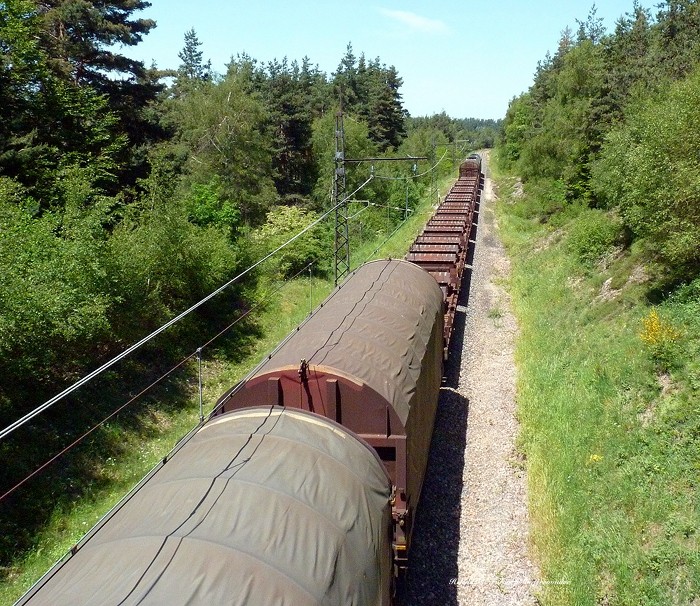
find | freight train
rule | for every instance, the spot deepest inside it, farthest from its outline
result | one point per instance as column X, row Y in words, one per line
column 302, row 486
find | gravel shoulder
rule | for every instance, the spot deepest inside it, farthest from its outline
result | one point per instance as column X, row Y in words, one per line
column 471, row 541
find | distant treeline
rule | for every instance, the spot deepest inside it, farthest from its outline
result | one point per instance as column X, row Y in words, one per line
column 612, row 121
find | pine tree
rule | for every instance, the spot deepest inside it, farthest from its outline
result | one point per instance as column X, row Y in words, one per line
column 629, row 60
column 593, row 28
column 192, row 70
column 291, row 126
column 385, row 115
column 79, row 37
column 678, row 49
column 50, row 122
column 344, row 79
column 314, row 89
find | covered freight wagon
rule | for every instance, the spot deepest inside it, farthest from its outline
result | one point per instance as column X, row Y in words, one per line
column 261, row 506
column 370, row 358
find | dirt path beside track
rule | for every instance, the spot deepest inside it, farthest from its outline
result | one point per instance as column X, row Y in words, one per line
column 471, row 543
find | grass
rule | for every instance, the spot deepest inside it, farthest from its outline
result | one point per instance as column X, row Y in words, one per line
column 282, row 307
column 608, row 400
column 495, row 314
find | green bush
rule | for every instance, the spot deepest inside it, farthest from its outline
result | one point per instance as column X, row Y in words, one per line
column 649, row 169
column 206, row 206
column 160, row 263
column 52, row 292
column 594, row 234
column 284, row 222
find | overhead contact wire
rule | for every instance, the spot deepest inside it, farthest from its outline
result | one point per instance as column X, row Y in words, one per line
column 95, row 427
column 431, row 169
column 143, row 391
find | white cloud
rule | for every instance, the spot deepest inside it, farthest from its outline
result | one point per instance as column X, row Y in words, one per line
column 416, row 22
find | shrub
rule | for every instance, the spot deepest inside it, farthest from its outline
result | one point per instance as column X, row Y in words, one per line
column 283, row 223
column 661, row 338
column 543, row 200
column 649, row 169
column 594, row 234
column 205, row 206
column 52, row 298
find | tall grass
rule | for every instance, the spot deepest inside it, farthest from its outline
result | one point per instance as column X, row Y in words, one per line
column 609, row 403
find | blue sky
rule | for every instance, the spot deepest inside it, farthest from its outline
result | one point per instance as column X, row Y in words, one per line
column 466, row 58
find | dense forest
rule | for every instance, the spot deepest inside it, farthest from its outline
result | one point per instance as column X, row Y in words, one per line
column 127, row 193
column 611, row 122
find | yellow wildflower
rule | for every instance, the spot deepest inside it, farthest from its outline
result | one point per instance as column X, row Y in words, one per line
column 595, row 458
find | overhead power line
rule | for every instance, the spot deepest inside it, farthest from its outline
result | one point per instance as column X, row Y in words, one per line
column 195, row 354
column 342, row 236
column 417, row 176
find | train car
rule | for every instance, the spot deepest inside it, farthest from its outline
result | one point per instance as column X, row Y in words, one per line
column 261, row 506
column 441, row 249
column 369, row 358
column 471, row 166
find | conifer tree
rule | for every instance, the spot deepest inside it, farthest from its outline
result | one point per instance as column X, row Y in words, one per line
column 192, row 70
column 51, row 121
column 679, row 31
column 79, row 37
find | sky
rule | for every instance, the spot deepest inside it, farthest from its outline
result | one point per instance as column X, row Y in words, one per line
column 468, row 59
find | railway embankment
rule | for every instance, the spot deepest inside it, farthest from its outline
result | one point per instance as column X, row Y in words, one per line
column 172, row 412
column 608, row 400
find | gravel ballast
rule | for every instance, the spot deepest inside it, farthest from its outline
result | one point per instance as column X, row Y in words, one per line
column 470, row 543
